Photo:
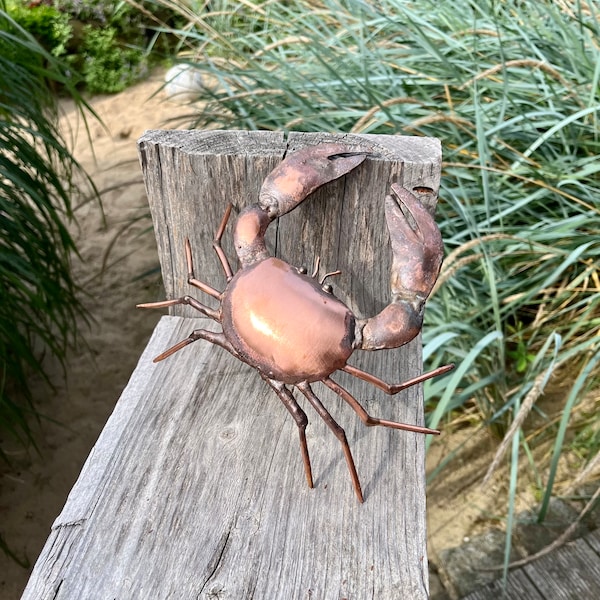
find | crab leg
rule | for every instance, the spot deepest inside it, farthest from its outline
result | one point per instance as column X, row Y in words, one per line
column 217, row 246
column 199, row 334
column 209, row 312
column 366, row 418
column 191, row 278
column 301, row 421
column 339, row 433
column 394, row 388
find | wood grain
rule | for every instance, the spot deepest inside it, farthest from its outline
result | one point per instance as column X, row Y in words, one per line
column 519, row 587
column 192, row 176
column 196, row 488
column 569, row 573
column 573, row 571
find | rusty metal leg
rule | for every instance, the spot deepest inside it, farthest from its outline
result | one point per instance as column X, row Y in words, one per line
column 338, row 431
column 366, row 418
column 206, row 310
column 301, row 421
column 191, row 278
column 217, row 244
column 199, row 334
column 394, row 388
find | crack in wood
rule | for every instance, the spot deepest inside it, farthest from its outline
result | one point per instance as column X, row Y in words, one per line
column 216, row 558
column 276, row 250
column 57, row 591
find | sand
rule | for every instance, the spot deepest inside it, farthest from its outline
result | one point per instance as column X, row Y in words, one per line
column 33, row 493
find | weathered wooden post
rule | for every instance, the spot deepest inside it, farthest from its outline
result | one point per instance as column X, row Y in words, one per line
column 195, row 489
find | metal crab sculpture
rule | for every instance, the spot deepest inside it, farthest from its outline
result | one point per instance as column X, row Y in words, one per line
column 288, row 325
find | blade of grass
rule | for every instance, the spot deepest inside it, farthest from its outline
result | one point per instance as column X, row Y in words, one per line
column 579, row 383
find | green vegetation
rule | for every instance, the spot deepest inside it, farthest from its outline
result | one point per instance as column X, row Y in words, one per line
column 39, row 305
column 107, row 45
column 512, row 90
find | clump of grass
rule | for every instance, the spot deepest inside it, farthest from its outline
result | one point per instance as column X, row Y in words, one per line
column 512, row 90
column 40, row 305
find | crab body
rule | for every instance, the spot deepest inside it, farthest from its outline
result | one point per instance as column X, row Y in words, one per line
column 284, row 324
column 288, row 325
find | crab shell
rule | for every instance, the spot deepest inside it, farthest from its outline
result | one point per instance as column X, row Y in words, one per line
column 308, row 334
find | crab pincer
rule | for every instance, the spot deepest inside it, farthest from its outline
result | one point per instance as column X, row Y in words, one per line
column 417, row 253
column 417, row 247
column 304, row 171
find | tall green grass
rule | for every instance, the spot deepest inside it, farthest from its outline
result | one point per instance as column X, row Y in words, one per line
column 39, row 300
column 512, row 90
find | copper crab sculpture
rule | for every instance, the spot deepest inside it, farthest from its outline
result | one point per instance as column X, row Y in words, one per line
column 288, row 325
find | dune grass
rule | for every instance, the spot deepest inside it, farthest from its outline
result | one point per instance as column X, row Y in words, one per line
column 512, row 90
column 40, row 304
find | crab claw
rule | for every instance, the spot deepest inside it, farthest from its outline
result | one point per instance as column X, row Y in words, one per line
column 288, row 184
column 302, row 172
column 417, row 253
column 417, row 247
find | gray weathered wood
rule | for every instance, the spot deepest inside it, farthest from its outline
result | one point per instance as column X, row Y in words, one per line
column 191, row 176
column 593, row 539
column 195, row 488
column 570, row 572
column 518, row 587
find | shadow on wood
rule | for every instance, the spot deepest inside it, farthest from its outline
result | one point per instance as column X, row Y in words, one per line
column 195, row 489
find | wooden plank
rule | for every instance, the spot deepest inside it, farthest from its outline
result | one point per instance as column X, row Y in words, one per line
column 593, row 539
column 571, row 572
column 470, row 566
column 195, row 489
column 518, row 587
